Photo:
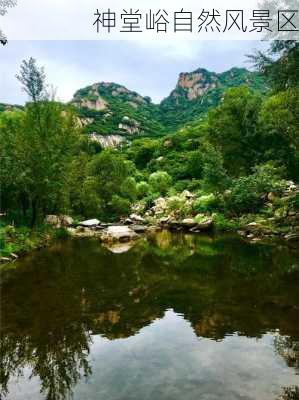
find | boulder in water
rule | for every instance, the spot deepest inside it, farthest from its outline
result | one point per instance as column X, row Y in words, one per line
column 118, row 234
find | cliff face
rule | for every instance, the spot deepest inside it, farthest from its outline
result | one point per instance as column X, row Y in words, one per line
column 196, row 92
column 195, row 84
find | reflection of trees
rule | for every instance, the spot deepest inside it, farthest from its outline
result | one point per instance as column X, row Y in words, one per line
column 288, row 348
column 55, row 300
column 290, row 393
column 58, row 362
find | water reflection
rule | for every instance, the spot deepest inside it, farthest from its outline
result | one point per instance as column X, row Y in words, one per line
column 59, row 304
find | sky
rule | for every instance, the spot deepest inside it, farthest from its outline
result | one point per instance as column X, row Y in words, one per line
column 149, row 68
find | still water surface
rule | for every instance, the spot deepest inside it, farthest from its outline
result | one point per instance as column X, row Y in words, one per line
column 175, row 317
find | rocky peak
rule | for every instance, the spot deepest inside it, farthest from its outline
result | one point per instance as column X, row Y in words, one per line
column 99, row 95
column 195, row 84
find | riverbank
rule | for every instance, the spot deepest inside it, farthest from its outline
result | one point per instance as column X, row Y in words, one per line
column 278, row 220
column 18, row 241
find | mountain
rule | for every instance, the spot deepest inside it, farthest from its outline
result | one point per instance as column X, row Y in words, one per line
column 111, row 113
column 200, row 90
column 108, row 108
column 10, row 107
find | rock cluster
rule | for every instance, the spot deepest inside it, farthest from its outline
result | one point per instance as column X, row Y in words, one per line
column 285, row 222
column 108, row 233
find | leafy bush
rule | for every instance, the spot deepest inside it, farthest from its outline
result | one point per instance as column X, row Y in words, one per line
column 61, row 233
column 177, row 205
column 222, row 223
column 119, row 206
column 248, row 193
column 160, row 182
column 143, row 189
column 205, row 203
column 244, row 197
column 268, row 178
column 294, row 201
column 128, row 189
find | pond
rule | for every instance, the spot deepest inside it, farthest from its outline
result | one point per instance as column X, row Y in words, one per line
column 174, row 317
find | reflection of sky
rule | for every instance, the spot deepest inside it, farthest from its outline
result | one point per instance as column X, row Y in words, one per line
column 166, row 360
column 150, row 68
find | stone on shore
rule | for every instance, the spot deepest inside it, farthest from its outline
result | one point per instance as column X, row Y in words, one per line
column 203, row 226
column 189, row 223
column 118, row 234
column 58, row 221
column 90, row 223
column 137, row 218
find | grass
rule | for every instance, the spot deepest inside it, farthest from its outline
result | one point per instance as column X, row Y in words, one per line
column 19, row 240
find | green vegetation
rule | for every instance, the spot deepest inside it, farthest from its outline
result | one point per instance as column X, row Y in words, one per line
column 19, row 240
column 232, row 157
column 109, row 108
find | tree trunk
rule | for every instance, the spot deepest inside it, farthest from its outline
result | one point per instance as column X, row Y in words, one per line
column 34, row 213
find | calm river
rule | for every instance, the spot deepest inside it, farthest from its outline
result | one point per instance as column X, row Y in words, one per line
column 176, row 317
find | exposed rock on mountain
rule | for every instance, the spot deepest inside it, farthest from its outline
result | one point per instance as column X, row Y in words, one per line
column 107, row 140
column 113, row 109
column 200, row 90
column 195, row 84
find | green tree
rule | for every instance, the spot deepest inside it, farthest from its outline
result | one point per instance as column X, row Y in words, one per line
column 160, row 182
column 142, row 151
column 232, row 129
column 108, row 174
column 38, row 146
column 213, row 172
column 33, row 80
column 279, row 124
column 143, row 189
column 280, row 64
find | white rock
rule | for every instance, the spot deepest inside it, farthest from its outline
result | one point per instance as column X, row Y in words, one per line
column 90, row 223
column 119, row 233
column 187, row 194
column 53, row 220
column 137, row 218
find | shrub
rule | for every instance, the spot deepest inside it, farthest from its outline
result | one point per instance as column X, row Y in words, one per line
column 119, row 206
column 128, row 189
column 143, row 189
column 205, row 203
column 268, row 178
column 177, row 205
column 244, row 197
column 61, row 233
column 224, row 224
column 247, row 193
column 294, row 201
column 160, row 182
